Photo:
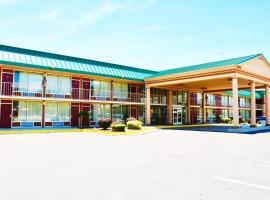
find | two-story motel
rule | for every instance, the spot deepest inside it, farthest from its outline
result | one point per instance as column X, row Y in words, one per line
column 40, row 89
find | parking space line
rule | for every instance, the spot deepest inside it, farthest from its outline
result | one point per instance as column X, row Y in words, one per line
column 242, row 183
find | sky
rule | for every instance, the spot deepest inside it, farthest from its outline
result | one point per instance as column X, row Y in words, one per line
column 150, row 34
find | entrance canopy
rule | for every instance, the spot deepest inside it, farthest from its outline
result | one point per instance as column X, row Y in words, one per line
column 249, row 72
column 215, row 76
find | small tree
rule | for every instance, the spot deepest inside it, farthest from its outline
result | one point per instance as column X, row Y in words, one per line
column 84, row 115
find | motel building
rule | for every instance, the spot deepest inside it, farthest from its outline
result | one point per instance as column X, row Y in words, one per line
column 40, row 89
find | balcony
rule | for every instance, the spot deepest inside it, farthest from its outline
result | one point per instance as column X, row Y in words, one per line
column 16, row 90
column 19, row 90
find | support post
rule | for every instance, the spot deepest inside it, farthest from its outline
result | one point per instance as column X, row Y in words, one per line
column 235, row 103
column 188, row 108
column 267, row 105
column 148, row 106
column 203, row 108
column 252, row 105
column 43, row 114
column 170, row 94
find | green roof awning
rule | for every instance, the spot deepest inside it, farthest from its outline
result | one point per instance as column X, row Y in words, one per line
column 49, row 61
column 210, row 65
column 246, row 93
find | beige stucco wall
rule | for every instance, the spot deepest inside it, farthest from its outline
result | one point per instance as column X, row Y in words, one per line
column 257, row 66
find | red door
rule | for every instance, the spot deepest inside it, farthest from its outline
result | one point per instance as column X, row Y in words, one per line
column 5, row 121
column 74, row 116
column 133, row 93
column 133, row 112
column 75, row 89
column 7, row 79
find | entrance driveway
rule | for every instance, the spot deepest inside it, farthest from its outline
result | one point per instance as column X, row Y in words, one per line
column 166, row 164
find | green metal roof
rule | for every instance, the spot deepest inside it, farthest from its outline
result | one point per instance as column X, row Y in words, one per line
column 222, row 63
column 246, row 93
column 49, row 61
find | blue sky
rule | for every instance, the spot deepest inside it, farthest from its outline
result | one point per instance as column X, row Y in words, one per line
column 153, row 34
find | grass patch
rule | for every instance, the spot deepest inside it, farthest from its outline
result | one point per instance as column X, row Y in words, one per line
column 85, row 130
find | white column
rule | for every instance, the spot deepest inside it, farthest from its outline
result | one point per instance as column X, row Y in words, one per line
column 235, row 103
column 188, row 108
column 252, row 105
column 203, row 108
column 267, row 105
column 170, row 94
column 148, row 107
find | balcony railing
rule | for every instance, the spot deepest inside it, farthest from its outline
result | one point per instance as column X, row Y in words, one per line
column 12, row 89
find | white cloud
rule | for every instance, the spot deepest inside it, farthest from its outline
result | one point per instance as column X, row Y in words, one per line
column 102, row 11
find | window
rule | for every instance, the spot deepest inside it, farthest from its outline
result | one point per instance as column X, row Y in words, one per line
column 28, row 82
column 58, row 85
column 57, row 111
column 120, row 112
column 27, row 111
column 100, row 111
column 179, row 97
column 120, row 90
column 101, row 88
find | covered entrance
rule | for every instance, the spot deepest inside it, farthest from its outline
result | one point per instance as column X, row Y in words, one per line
column 243, row 73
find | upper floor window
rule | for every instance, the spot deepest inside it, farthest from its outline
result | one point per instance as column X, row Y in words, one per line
column 120, row 90
column 101, row 88
column 179, row 97
column 28, row 82
column 211, row 99
column 58, row 85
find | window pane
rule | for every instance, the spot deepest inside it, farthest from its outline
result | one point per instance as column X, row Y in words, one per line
column 34, row 111
column 22, row 111
column 65, row 85
column 64, row 112
column 35, row 82
column 51, row 111
column 52, row 84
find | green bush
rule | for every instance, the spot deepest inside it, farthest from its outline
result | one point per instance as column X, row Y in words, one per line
column 135, row 125
column 118, row 127
column 226, row 120
column 104, row 123
column 130, row 119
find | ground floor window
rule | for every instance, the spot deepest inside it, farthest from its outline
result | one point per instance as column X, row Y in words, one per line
column 99, row 111
column 244, row 114
column 214, row 115
column 159, row 115
column 120, row 112
column 27, row 111
column 196, row 115
column 55, row 111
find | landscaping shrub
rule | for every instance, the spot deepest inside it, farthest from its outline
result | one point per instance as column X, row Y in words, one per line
column 118, row 127
column 118, row 121
column 130, row 119
column 226, row 120
column 135, row 125
column 104, row 123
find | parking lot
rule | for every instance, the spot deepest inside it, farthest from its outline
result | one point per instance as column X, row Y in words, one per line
column 166, row 164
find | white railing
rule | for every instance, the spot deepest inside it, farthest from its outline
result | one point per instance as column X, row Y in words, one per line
column 14, row 89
